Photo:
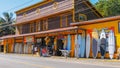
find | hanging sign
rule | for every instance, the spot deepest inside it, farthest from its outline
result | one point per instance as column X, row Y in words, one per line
column 29, row 39
column 1, row 42
column 38, row 40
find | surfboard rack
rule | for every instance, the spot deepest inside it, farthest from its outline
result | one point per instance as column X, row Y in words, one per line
column 65, row 53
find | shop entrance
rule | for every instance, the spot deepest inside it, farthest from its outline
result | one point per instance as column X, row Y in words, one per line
column 28, row 48
column 1, row 48
column 59, row 47
column 18, row 48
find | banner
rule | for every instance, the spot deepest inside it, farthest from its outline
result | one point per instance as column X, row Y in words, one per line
column 29, row 39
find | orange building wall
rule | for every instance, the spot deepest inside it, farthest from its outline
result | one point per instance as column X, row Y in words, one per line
column 108, row 24
column 10, row 43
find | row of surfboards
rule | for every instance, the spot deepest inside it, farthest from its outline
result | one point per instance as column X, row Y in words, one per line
column 98, row 40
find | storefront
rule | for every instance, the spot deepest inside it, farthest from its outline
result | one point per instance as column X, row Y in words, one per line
column 107, row 24
column 54, row 40
column 28, row 44
column 18, row 45
column 1, row 46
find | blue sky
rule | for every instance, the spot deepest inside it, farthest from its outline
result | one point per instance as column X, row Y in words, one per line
column 94, row 1
column 10, row 5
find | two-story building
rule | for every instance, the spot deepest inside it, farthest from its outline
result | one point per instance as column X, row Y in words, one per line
column 47, row 23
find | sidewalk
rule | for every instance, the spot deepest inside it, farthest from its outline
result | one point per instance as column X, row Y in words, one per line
column 87, row 59
column 90, row 61
column 34, row 55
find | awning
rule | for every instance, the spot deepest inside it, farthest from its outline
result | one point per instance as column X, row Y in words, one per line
column 42, row 32
column 95, row 21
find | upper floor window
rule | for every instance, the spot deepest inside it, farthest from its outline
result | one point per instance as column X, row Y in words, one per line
column 38, row 26
column 32, row 27
column 45, row 24
column 82, row 17
column 54, row 22
column 25, row 28
column 66, row 19
column 63, row 20
column 19, row 29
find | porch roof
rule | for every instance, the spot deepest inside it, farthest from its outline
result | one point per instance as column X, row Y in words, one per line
column 95, row 21
column 42, row 32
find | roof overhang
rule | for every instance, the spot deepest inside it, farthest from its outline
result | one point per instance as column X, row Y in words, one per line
column 102, row 20
column 43, row 32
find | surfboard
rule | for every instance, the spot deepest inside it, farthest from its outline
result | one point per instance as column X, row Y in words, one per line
column 24, row 49
column 65, row 42
column 69, row 43
column 17, row 48
column 102, row 43
column 78, row 45
column 82, row 46
column 111, row 44
column 95, row 43
column 88, row 45
column 20, row 48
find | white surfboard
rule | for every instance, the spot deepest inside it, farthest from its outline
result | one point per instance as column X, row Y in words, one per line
column 76, row 51
column 111, row 44
column 88, row 45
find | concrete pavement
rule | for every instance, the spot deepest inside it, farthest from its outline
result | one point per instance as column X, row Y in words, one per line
column 28, row 61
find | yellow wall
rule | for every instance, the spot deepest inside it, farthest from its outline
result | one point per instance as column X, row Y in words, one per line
column 10, row 43
column 108, row 24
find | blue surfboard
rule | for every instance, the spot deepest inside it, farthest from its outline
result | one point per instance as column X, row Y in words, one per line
column 79, row 43
column 82, row 46
column 69, row 43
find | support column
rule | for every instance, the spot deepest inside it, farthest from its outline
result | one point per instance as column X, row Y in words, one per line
column 72, row 45
column 5, row 42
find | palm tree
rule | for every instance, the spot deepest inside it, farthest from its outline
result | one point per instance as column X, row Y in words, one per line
column 7, row 19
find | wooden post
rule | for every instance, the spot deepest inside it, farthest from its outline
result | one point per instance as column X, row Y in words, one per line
column 5, row 46
column 72, row 45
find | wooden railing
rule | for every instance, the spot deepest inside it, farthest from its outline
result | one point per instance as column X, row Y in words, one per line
column 46, row 11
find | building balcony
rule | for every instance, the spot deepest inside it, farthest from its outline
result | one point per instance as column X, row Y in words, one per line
column 46, row 11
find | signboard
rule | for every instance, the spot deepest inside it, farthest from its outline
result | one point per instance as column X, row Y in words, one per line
column 1, row 42
column 29, row 39
column 38, row 40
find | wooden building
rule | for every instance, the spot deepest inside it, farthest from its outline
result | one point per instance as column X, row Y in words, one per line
column 49, row 18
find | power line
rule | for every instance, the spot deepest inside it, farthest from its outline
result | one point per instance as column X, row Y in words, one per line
column 19, row 5
column 12, row 9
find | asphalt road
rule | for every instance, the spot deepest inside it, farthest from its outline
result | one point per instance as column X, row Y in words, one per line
column 18, row 61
